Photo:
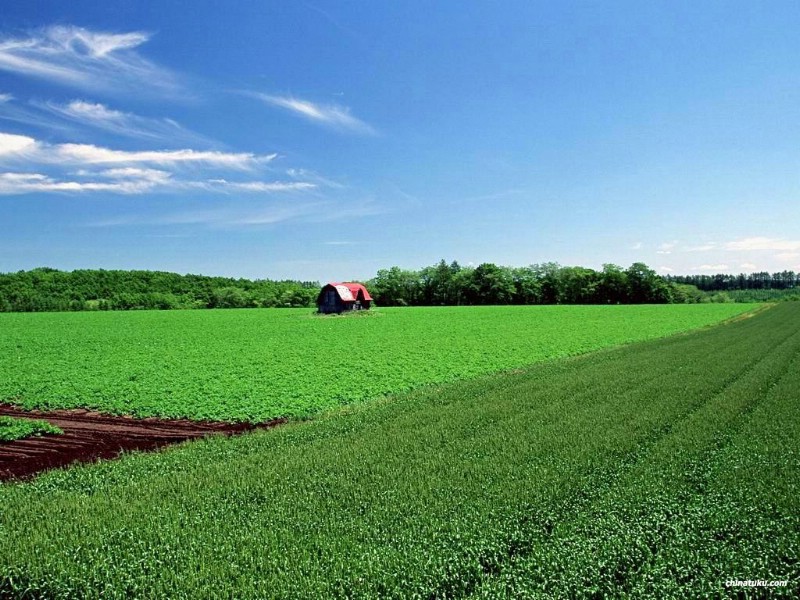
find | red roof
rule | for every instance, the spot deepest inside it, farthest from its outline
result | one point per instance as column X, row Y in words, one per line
column 353, row 288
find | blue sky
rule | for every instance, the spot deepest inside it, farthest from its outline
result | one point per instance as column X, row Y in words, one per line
column 325, row 140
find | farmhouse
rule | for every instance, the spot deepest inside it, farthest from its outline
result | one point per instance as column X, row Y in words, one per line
column 338, row 297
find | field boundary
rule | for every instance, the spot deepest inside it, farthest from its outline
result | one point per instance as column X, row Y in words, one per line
column 90, row 436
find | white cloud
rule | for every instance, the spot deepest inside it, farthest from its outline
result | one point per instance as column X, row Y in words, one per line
column 21, row 183
column 97, row 44
column 764, row 243
column 637, row 246
column 91, row 154
column 13, row 111
column 258, row 186
column 86, row 59
column 270, row 215
column 666, row 247
column 787, row 256
column 91, row 111
column 718, row 267
column 155, row 176
column 42, row 167
column 666, row 269
column 6, row 98
column 16, row 145
column 747, row 265
column 307, row 175
column 130, row 180
column 331, row 115
column 22, row 146
column 100, row 116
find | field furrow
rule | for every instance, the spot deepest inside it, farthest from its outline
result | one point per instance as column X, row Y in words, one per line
column 613, row 539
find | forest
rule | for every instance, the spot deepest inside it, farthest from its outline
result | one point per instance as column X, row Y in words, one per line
column 46, row 289
column 442, row 284
column 548, row 283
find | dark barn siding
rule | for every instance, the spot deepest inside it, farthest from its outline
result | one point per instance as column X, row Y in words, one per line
column 330, row 298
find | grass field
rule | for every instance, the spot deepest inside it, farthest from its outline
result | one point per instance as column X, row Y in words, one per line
column 660, row 469
column 253, row 365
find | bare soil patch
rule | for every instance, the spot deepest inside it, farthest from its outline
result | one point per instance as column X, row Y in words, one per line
column 89, row 436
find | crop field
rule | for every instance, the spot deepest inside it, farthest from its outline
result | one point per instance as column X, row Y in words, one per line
column 17, row 429
column 254, row 365
column 659, row 469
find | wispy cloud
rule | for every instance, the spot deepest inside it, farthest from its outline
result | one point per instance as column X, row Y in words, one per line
column 749, row 244
column 100, row 116
column 6, row 98
column 308, row 175
column 337, row 211
column 717, row 267
column 36, row 166
column 91, row 154
column 23, row 147
column 329, row 115
column 25, row 183
column 334, row 21
column 666, row 248
column 252, row 214
column 268, row 215
column 224, row 217
column 29, row 115
column 86, row 59
column 764, row 243
column 257, row 186
column 133, row 181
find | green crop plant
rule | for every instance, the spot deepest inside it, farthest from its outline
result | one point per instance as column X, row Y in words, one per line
column 12, row 428
column 660, row 469
column 254, row 365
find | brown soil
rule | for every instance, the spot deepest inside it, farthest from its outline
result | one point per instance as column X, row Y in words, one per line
column 89, row 436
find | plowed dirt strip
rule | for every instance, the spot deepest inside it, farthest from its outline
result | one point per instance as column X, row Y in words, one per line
column 90, row 436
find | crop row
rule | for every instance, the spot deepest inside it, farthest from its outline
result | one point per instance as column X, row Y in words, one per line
column 659, row 469
column 253, row 365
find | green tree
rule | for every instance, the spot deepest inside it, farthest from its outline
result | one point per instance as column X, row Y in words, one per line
column 578, row 285
column 613, row 285
column 492, row 284
column 646, row 286
column 527, row 286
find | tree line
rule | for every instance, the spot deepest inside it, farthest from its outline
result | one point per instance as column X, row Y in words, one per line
column 548, row 283
column 762, row 280
column 551, row 283
column 46, row 289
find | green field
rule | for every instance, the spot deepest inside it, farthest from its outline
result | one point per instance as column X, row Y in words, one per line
column 656, row 470
column 17, row 429
column 253, row 365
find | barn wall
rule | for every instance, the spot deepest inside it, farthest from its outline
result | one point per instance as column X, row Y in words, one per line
column 331, row 307
column 329, row 301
